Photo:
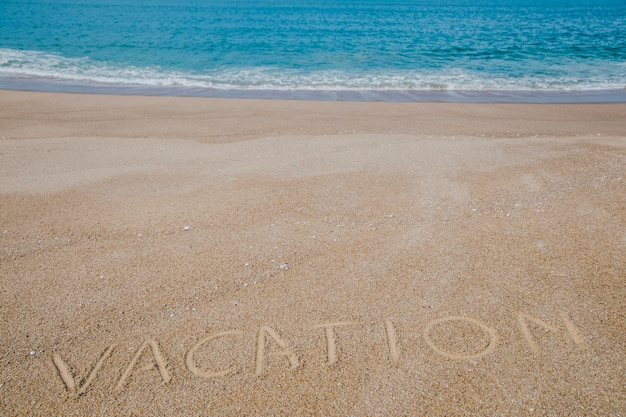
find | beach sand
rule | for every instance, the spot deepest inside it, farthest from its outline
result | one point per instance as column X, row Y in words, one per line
column 194, row 257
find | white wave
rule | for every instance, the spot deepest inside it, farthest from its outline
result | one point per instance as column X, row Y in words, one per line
column 35, row 64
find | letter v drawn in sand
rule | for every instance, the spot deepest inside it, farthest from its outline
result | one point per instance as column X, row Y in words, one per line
column 68, row 378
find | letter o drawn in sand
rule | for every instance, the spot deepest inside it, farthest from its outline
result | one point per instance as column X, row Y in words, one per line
column 493, row 338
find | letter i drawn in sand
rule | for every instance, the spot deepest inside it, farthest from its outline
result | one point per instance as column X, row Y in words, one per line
column 392, row 342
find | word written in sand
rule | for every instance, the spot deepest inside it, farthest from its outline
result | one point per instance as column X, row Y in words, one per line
column 267, row 338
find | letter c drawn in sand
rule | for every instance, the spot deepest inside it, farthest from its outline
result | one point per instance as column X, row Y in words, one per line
column 493, row 338
column 191, row 362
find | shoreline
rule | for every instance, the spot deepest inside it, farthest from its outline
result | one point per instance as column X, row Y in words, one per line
column 26, row 115
column 545, row 96
column 194, row 256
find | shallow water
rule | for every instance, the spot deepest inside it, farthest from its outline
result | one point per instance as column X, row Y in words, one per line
column 484, row 50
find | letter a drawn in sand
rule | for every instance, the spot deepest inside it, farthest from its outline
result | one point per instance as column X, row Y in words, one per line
column 191, row 363
column 158, row 361
column 68, row 378
column 285, row 349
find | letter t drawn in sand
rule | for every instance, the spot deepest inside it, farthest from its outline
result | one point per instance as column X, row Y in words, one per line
column 331, row 342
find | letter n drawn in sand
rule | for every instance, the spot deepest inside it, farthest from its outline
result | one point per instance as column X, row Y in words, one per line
column 331, row 340
column 158, row 361
column 191, row 362
column 265, row 331
column 570, row 329
column 68, row 378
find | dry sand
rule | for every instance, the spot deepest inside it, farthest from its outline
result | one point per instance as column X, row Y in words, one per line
column 195, row 257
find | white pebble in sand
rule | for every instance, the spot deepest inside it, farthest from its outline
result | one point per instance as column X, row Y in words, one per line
column 186, row 228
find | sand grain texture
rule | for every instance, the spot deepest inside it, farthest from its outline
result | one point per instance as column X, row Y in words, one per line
column 340, row 258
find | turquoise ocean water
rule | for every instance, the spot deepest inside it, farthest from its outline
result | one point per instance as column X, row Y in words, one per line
column 450, row 50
